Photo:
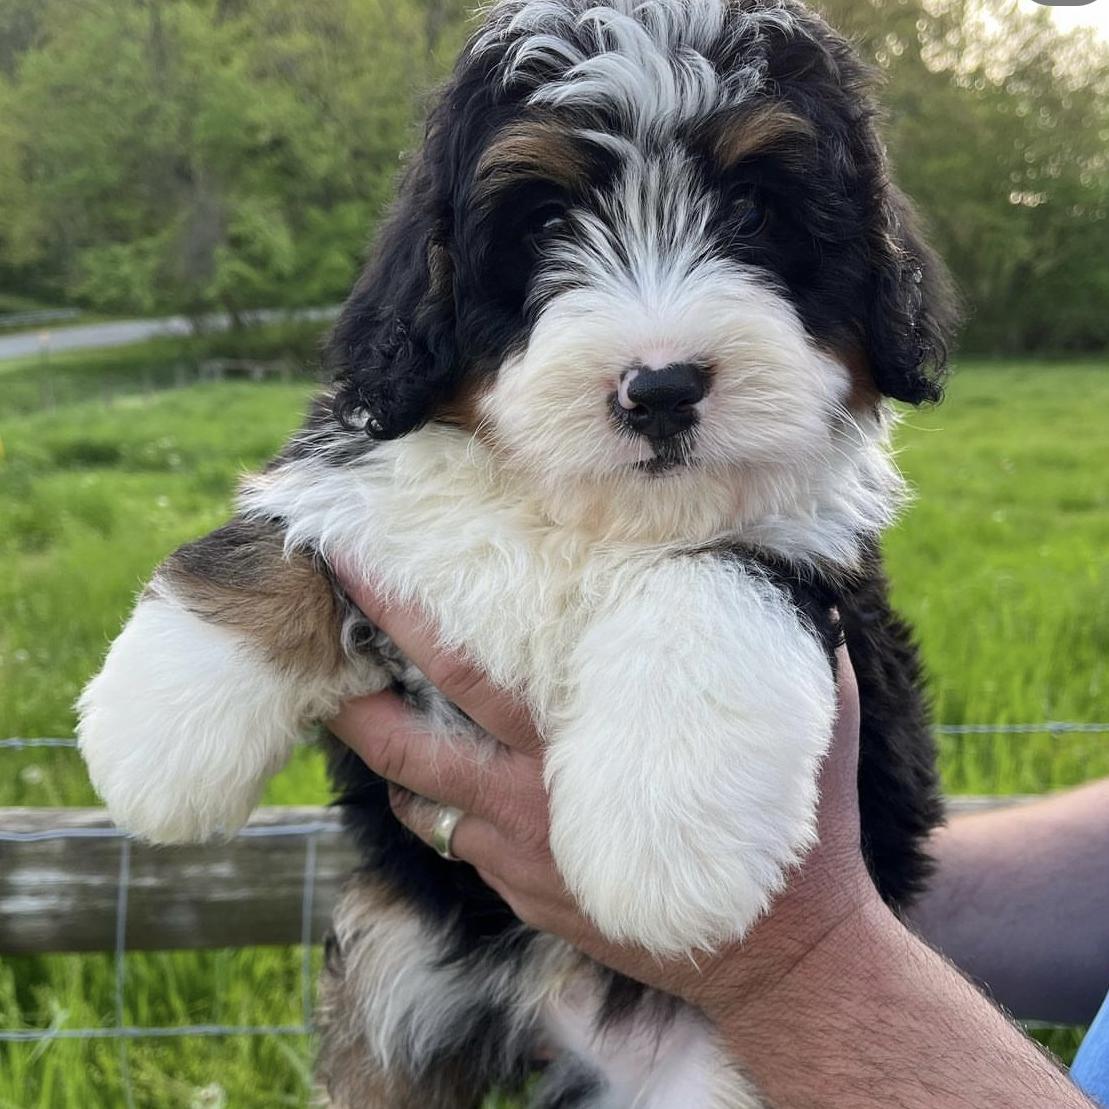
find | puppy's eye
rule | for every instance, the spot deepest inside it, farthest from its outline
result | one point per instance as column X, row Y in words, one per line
column 543, row 224
column 749, row 214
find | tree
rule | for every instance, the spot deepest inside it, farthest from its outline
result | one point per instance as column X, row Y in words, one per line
column 998, row 128
column 192, row 154
column 189, row 154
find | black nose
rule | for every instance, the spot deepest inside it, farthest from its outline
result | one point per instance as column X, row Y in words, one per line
column 659, row 403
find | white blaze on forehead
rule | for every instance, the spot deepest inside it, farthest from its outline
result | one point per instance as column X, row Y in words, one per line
column 647, row 59
column 646, row 235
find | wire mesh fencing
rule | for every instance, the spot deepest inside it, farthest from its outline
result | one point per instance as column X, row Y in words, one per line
column 307, row 832
column 1047, row 727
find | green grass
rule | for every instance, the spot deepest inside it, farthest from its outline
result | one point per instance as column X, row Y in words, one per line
column 1003, row 565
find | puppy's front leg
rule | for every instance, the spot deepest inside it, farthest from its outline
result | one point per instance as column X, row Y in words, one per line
column 683, row 768
column 233, row 648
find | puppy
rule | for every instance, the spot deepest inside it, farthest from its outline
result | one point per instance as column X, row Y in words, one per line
column 610, row 404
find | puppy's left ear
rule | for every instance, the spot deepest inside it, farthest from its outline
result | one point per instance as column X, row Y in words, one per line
column 911, row 307
column 393, row 347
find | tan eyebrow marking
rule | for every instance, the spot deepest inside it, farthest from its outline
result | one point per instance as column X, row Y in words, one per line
column 769, row 127
column 529, row 150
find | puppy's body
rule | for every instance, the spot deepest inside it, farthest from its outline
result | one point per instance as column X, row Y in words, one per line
column 609, row 407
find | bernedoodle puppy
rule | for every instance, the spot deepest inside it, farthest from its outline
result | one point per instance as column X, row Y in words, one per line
column 610, row 404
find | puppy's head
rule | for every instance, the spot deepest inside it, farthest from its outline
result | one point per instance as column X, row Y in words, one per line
column 644, row 241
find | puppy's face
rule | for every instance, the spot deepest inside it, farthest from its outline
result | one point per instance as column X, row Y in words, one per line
column 647, row 277
column 646, row 243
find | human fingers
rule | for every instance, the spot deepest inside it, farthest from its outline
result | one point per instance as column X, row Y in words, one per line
column 455, row 676
column 467, row 837
column 394, row 743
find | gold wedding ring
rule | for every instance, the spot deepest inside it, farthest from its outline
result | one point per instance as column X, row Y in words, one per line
column 442, row 832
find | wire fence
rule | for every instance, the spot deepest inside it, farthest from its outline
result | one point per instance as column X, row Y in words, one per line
column 1047, row 727
column 119, row 1030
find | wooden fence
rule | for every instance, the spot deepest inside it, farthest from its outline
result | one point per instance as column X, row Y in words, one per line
column 274, row 883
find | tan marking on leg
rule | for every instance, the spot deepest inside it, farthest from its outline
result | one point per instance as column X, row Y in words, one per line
column 239, row 577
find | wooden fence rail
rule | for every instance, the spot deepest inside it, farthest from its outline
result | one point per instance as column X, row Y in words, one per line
column 60, row 880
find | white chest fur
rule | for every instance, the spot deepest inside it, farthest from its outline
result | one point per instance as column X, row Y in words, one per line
column 684, row 703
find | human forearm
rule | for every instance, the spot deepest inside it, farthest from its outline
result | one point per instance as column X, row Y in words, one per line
column 1020, row 901
column 870, row 1016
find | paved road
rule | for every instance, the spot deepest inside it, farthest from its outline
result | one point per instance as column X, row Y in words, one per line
column 119, row 333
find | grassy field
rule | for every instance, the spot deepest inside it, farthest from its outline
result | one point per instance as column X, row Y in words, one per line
column 47, row 382
column 1003, row 565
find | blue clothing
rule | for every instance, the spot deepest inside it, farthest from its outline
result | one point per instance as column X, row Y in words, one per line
column 1090, row 1071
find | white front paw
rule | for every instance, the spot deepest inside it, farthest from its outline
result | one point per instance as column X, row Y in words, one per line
column 686, row 878
column 182, row 726
column 683, row 769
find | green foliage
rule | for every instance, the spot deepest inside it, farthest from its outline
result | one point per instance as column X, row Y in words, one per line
column 194, row 154
column 189, row 154
column 998, row 125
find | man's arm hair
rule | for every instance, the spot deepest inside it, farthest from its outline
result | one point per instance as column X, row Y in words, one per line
column 873, row 1018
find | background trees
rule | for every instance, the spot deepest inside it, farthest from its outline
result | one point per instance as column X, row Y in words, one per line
column 998, row 125
column 188, row 154
column 195, row 154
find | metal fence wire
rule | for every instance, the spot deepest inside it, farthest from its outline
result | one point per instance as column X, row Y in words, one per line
column 124, row 1033
column 119, row 1029
column 1047, row 727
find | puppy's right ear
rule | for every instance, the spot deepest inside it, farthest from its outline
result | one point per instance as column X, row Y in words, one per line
column 911, row 307
column 393, row 346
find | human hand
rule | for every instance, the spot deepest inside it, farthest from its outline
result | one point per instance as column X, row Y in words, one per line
column 504, row 830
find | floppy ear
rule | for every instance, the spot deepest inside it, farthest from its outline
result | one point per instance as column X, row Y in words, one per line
column 911, row 308
column 901, row 304
column 393, row 346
